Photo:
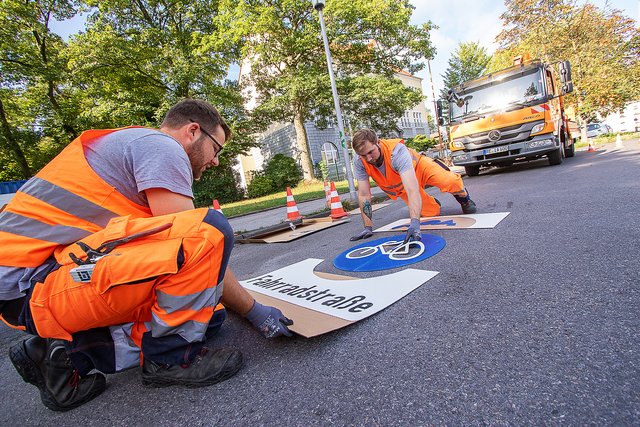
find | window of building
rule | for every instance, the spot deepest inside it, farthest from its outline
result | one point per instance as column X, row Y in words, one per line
column 329, row 153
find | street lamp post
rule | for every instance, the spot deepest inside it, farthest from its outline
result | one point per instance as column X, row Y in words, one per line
column 319, row 5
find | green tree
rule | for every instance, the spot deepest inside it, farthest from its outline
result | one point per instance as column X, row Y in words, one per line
column 284, row 49
column 602, row 45
column 372, row 101
column 138, row 58
column 38, row 106
column 421, row 142
column 467, row 62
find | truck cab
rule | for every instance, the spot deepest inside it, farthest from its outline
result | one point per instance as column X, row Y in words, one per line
column 515, row 114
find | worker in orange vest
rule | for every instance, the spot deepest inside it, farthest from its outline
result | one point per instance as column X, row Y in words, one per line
column 108, row 265
column 401, row 172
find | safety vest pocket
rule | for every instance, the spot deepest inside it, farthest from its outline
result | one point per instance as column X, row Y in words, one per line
column 136, row 262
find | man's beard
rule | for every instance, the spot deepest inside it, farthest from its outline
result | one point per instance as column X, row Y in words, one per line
column 196, row 157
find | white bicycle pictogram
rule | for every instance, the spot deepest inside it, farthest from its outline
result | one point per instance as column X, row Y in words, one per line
column 393, row 249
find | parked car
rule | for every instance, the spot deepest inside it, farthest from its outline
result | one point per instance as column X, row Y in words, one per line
column 597, row 129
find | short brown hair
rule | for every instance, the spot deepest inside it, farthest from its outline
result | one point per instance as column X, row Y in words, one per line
column 201, row 112
column 363, row 136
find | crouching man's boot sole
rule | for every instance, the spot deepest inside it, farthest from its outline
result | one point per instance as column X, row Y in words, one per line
column 31, row 372
column 208, row 368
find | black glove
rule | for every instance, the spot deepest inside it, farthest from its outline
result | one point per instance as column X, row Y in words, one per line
column 269, row 320
column 364, row 234
column 413, row 232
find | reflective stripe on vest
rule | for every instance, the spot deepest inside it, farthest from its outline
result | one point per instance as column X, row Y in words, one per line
column 65, row 202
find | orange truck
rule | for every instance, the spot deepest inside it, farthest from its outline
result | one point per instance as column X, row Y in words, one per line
column 512, row 115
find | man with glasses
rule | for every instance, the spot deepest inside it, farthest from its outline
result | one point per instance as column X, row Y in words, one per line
column 402, row 172
column 109, row 266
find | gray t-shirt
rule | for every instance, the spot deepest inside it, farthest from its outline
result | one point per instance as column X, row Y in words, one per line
column 400, row 162
column 136, row 159
column 131, row 160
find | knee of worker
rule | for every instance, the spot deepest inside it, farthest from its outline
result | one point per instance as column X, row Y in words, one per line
column 220, row 223
column 451, row 183
column 433, row 174
column 432, row 208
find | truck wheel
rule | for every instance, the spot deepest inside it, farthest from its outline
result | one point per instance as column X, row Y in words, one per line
column 472, row 170
column 570, row 151
column 555, row 157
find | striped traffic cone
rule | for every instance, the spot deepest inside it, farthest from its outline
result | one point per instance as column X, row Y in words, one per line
column 216, row 206
column 337, row 211
column 292, row 210
column 592, row 147
column 327, row 194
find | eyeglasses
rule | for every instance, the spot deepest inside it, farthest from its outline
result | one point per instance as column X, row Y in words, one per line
column 219, row 146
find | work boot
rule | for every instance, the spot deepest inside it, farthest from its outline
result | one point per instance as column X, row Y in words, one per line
column 45, row 364
column 468, row 205
column 209, row 367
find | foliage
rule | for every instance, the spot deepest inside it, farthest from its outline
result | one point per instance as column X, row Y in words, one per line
column 283, row 171
column 421, row 142
column 467, row 62
column 284, row 47
column 133, row 62
column 36, row 99
column 602, row 45
column 260, row 185
column 136, row 59
column 219, row 183
column 374, row 101
column 323, row 169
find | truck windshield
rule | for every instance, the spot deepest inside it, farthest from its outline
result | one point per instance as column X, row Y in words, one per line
column 510, row 93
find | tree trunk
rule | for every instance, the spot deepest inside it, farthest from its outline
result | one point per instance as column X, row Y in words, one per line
column 13, row 145
column 303, row 148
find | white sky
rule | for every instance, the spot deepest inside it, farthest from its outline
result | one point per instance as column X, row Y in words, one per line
column 459, row 21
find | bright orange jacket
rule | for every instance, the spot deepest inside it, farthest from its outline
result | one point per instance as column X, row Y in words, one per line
column 60, row 206
column 141, row 281
column 391, row 183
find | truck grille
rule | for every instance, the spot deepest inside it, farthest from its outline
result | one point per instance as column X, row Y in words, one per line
column 508, row 134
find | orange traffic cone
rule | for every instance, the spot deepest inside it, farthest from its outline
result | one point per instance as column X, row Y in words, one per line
column 292, row 210
column 327, row 193
column 591, row 146
column 216, row 206
column 337, row 211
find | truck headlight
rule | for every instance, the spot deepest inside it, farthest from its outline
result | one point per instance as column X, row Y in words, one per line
column 457, row 144
column 537, row 128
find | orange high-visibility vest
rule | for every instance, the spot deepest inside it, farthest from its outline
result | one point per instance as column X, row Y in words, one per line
column 65, row 202
column 391, row 183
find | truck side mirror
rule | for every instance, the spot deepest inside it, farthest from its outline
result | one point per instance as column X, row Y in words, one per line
column 567, row 88
column 565, row 71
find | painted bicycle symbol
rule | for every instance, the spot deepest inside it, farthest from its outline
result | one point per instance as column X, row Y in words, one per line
column 394, row 249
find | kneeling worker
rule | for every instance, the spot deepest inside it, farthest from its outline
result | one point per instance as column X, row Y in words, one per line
column 108, row 265
column 401, row 172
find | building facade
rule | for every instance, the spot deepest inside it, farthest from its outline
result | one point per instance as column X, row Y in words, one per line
column 324, row 144
column 627, row 120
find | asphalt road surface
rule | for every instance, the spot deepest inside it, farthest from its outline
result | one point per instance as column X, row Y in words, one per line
column 534, row 322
